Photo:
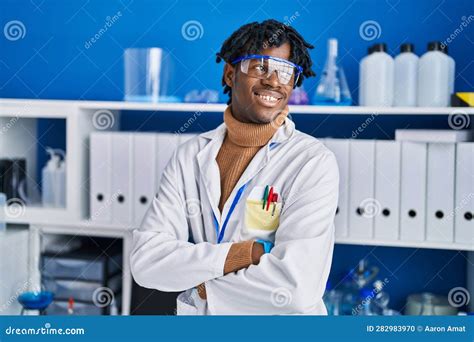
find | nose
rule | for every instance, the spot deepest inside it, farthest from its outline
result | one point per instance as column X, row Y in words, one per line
column 272, row 81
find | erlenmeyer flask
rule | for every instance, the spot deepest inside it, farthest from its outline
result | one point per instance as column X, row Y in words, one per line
column 332, row 88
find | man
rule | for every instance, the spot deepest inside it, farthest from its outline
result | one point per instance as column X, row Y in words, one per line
column 243, row 219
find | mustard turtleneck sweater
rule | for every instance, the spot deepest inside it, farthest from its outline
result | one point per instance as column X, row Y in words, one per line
column 241, row 143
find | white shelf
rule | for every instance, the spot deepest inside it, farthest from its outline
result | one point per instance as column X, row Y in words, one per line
column 40, row 108
column 407, row 244
column 112, row 229
column 36, row 214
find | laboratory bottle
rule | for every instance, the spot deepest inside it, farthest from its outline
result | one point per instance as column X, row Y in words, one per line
column 381, row 299
column 406, row 75
column 54, row 179
column 435, row 77
column 376, row 77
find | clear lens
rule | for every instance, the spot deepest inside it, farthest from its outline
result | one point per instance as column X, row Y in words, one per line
column 263, row 68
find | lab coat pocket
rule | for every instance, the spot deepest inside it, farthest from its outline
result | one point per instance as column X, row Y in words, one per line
column 259, row 218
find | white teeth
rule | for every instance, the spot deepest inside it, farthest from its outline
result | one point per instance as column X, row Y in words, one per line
column 268, row 98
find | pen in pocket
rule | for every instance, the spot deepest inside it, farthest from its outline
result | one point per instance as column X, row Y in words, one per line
column 265, row 194
column 274, row 200
column 270, row 197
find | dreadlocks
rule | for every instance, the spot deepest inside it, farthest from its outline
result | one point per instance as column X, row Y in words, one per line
column 252, row 38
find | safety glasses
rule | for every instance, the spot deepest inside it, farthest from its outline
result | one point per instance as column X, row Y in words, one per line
column 262, row 67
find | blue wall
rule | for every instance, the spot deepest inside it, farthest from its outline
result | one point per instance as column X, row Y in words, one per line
column 53, row 60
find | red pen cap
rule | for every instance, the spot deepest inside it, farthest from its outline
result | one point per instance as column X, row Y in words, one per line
column 275, row 197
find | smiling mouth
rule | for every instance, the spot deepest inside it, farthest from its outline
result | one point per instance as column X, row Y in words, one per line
column 267, row 97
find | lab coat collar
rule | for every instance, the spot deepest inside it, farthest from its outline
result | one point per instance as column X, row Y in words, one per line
column 283, row 133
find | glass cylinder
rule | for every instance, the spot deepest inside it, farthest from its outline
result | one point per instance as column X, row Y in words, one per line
column 149, row 75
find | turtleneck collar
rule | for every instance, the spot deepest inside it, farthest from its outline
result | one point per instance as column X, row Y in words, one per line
column 251, row 134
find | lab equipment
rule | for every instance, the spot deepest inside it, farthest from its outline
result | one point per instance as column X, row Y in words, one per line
column 428, row 304
column 35, row 301
column 204, row 96
column 376, row 77
column 81, row 290
column 356, row 280
column 365, row 307
column 332, row 300
column 381, row 299
column 149, row 75
column 299, row 96
column 262, row 67
column 435, row 77
column 13, row 179
column 83, row 278
column 406, row 75
column 81, row 266
column 63, row 307
column 54, row 179
column 332, row 88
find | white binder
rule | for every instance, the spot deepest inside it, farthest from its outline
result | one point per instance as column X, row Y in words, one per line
column 122, row 171
column 387, row 189
column 144, row 173
column 464, row 194
column 100, row 168
column 413, row 191
column 340, row 148
column 440, row 192
column 362, row 204
column 166, row 144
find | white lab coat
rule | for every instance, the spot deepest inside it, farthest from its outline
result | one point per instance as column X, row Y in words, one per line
column 176, row 247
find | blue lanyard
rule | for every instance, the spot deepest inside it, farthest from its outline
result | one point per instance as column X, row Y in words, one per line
column 220, row 234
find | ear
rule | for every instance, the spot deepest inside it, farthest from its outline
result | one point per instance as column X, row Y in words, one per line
column 229, row 73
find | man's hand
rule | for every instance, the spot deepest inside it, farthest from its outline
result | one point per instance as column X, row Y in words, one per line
column 257, row 252
column 241, row 255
